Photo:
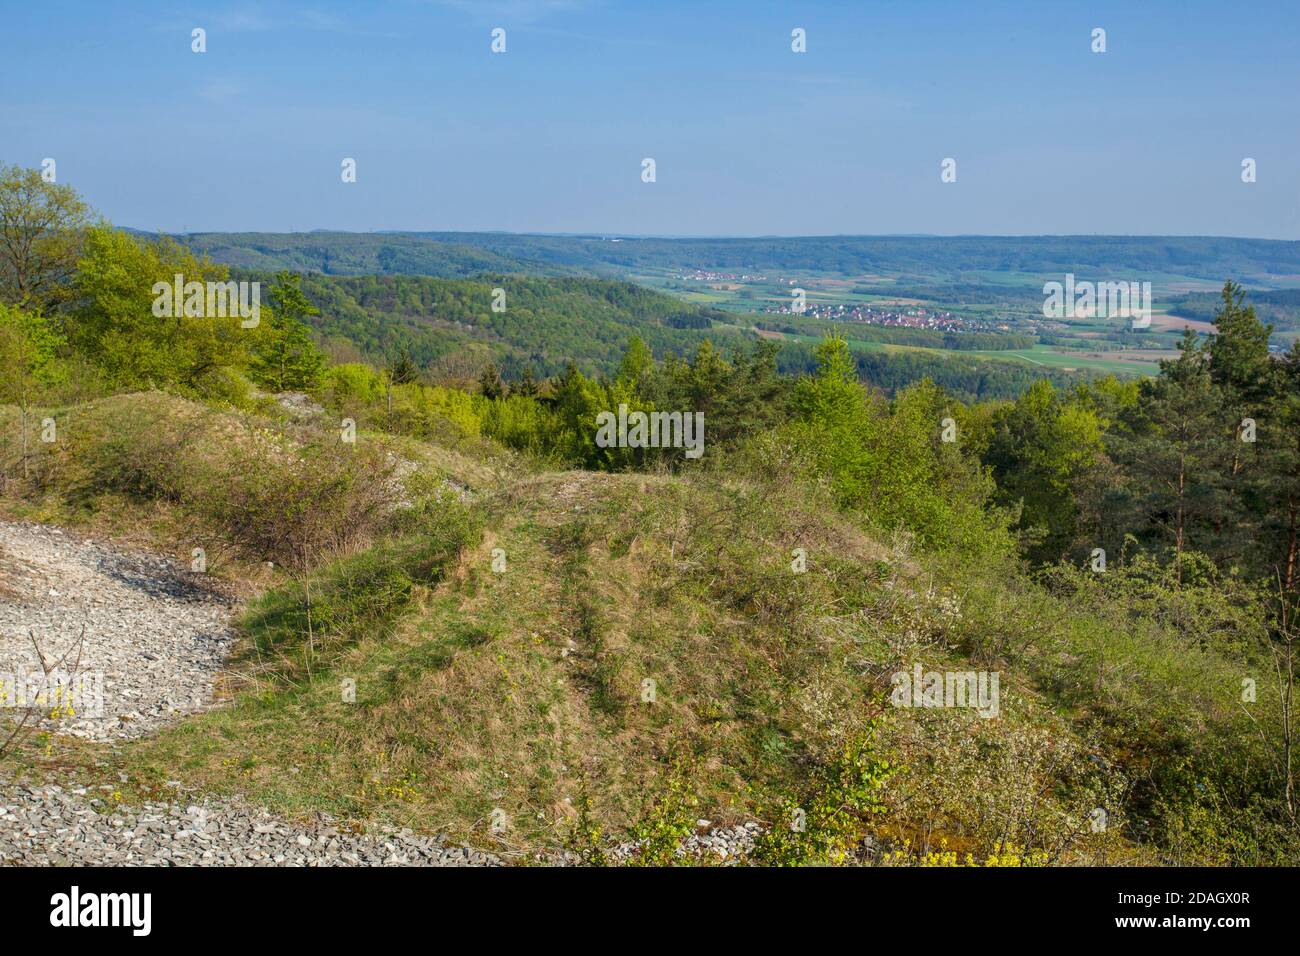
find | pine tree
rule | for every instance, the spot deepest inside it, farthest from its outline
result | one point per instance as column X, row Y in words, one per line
column 404, row 371
column 1177, row 458
column 527, row 384
column 637, row 364
column 1239, row 360
column 287, row 358
column 1240, row 366
column 1279, row 437
column 489, row 382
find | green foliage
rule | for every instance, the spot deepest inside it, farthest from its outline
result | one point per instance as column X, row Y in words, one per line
column 527, row 386
column 638, row 362
column 586, row 838
column 1042, row 449
column 889, row 462
column 404, row 371
column 351, row 385
column 29, row 355
column 667, row 819
column 828, row 823
column 285, row 357
column 1241, row 364
column 449, row 326
column 490, row 385
column 41, row 230
column 114, row 321
column 1210, row 609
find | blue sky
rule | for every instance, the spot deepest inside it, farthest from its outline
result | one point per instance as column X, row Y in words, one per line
column 748, row 137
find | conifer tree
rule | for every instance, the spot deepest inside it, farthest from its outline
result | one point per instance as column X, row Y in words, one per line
column 404, row 371
column 489, row 382
column 287, row 358
column 1177, row 458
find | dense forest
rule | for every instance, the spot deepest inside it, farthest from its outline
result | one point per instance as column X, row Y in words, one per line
column 359, row 254
column 453, row 326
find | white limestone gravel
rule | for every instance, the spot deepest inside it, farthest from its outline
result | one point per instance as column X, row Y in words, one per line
column 53, row 826
column 151, row 634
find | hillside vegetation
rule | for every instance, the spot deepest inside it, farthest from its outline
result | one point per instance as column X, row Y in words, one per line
column 469, row 609
column 452, row 327
column 501, row 648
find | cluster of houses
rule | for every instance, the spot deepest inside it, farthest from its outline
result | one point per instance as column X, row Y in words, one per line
column 703, row 275
column 913, row 318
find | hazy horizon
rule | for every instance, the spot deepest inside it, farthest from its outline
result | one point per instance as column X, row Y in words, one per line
column 749, row 137
column 720, row 235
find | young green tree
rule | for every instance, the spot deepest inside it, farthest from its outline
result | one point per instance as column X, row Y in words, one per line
column 285, row 356
column 833, row 395
column 637, row 364
column 1041, row 452
column 490, row 385
column 526, row 387
column 708, row 379
column 29, row 362
column 404, row 371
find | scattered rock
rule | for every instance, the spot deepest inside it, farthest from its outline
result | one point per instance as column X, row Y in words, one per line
column 145, row 634
column 51, row 825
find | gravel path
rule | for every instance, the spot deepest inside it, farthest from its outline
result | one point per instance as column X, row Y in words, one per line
column 51, row 826
column 154, row 638
column 142, row 634
column 54, row 826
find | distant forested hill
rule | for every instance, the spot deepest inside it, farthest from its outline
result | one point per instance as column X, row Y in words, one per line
column 467, row 253
column 450, row 324
column 358, row 253
column 1280, row 308
column 1207, row 256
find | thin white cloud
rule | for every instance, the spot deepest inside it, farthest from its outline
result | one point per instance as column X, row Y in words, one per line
column 515, row 12
column 253, row 18
column 221, row 90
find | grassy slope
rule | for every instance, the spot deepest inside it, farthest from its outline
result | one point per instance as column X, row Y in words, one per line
column 524, row 689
